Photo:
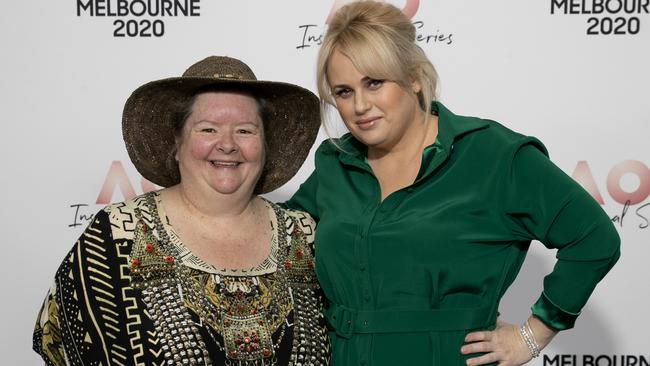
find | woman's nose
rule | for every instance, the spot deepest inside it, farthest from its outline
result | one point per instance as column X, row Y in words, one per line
column 226, row 144
column 361, row 103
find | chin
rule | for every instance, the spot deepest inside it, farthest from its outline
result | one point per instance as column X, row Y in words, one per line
column 226, row 187
column 371, row 141
column 372, row 137
column 366, row 137
column 232, row 187
column 225, row 191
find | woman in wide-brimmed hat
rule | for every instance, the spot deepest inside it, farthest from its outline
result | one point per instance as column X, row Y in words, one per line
column 202, row 272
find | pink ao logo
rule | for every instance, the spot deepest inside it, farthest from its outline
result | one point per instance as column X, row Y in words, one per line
column 582, row 174
column 118, row 178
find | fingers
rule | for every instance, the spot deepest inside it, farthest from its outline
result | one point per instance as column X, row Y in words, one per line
column 478, row 336
column 503, row 346
column 481, row 345
column 482, row 360
column 476, row 348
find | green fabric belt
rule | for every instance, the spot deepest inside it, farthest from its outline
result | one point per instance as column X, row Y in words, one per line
column 346, row 321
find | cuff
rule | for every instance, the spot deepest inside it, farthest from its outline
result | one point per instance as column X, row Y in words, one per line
column 552, row 315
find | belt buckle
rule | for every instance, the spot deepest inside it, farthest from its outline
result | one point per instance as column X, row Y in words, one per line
column 341, row 319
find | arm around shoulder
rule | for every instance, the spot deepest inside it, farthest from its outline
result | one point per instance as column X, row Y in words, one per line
column 305, row 198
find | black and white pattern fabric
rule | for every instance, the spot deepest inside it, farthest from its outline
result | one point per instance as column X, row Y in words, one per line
column 130, row 293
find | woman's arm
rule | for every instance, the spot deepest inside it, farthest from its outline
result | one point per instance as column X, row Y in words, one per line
column 543, row 203
column 61, row 335
column 305, row 198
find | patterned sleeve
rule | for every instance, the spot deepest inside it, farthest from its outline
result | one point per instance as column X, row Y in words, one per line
column 47, row 334
column 307, row 226
column 70, row 329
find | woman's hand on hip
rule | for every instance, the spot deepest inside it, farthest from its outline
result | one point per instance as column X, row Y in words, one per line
column 505, row 345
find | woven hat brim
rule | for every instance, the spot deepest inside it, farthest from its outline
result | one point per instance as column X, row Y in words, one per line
column 151, row 111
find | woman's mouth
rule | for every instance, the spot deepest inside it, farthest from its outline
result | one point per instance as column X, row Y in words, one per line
column 367, row 123
column 225, row 164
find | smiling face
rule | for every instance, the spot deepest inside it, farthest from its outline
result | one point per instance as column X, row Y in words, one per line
column 377, row 112
column 221, row 146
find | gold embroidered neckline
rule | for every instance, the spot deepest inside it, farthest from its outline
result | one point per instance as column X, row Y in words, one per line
column 189, row 259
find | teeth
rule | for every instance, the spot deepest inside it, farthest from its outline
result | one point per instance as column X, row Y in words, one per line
column 225, row 163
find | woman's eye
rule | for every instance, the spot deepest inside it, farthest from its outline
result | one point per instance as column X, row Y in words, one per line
column 342, row 93
column 375, row 84
column 208, row 130
column 244, row 131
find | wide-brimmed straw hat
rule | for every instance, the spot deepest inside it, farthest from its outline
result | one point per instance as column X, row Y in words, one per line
column 154, row 109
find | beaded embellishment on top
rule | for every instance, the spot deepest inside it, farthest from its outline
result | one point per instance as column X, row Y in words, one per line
column 154, row 271
column 245, row 312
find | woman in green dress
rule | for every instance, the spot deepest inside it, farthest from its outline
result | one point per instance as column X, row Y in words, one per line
column 425, row 216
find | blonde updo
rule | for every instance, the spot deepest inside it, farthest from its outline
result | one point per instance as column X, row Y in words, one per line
column 380, row 41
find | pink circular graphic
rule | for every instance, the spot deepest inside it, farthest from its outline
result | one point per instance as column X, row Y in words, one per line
column 614, row 179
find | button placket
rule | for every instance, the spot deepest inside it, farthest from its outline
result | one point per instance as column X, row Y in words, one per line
column 364, row 251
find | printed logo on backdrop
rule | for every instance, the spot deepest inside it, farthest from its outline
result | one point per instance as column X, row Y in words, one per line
column 631, row 201
column 596, row 360
column 311, row 35
column 116, row 179
column 138, row 18
column 628, row 185
column 605, row 17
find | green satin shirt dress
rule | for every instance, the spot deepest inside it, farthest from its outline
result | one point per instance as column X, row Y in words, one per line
column 408, row 277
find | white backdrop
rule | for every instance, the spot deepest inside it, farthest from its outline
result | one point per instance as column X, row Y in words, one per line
column 529, row 64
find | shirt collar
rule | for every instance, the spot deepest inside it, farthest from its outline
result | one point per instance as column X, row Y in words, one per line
column 452, row 127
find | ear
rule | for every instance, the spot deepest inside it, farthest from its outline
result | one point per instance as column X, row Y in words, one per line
column 416, row 86
column 177, row 144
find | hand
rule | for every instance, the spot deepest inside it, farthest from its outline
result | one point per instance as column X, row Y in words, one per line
column 504, row 346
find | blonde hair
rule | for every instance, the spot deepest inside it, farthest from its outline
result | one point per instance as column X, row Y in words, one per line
column 380, row 41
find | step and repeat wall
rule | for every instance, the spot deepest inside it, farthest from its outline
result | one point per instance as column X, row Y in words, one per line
column 574, row 73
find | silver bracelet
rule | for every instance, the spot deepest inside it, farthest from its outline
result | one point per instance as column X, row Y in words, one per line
column 527, row 334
